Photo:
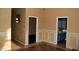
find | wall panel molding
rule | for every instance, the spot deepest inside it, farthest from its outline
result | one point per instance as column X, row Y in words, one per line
column 3, row 34
column 73, row 40
column 50, row 36
column 47, row 36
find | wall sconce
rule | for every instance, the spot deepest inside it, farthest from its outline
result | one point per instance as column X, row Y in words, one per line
column 17, row 18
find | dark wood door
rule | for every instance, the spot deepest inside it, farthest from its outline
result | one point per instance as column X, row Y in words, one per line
column 32, row 30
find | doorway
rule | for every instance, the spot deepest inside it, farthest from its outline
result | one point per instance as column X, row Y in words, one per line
column 61, row 31
column 33, row 30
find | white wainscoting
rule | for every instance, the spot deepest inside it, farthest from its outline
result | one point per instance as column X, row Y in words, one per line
column 5, row 40
column 50, row 36
column 2, row 34
column 7, row 35
column 47, row 36
column 73, row 40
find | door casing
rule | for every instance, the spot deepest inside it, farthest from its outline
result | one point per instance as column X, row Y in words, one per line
column 36, row 29
column 57, row 27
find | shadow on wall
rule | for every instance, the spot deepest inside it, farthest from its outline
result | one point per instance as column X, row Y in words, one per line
column 5, row 40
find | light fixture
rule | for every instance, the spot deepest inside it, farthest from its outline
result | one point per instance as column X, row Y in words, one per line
column 18, row 18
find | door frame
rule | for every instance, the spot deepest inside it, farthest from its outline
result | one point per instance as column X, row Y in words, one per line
column 57, row 27
column 36, row 28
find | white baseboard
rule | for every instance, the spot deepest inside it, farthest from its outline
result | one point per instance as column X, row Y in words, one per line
column 20, row 42
column 49, row 35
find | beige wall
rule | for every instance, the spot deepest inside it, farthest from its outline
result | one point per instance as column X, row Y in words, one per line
column 38, row 12
column 5, row 19
column 5, row 28
column 52, row 13
column 18, row 29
